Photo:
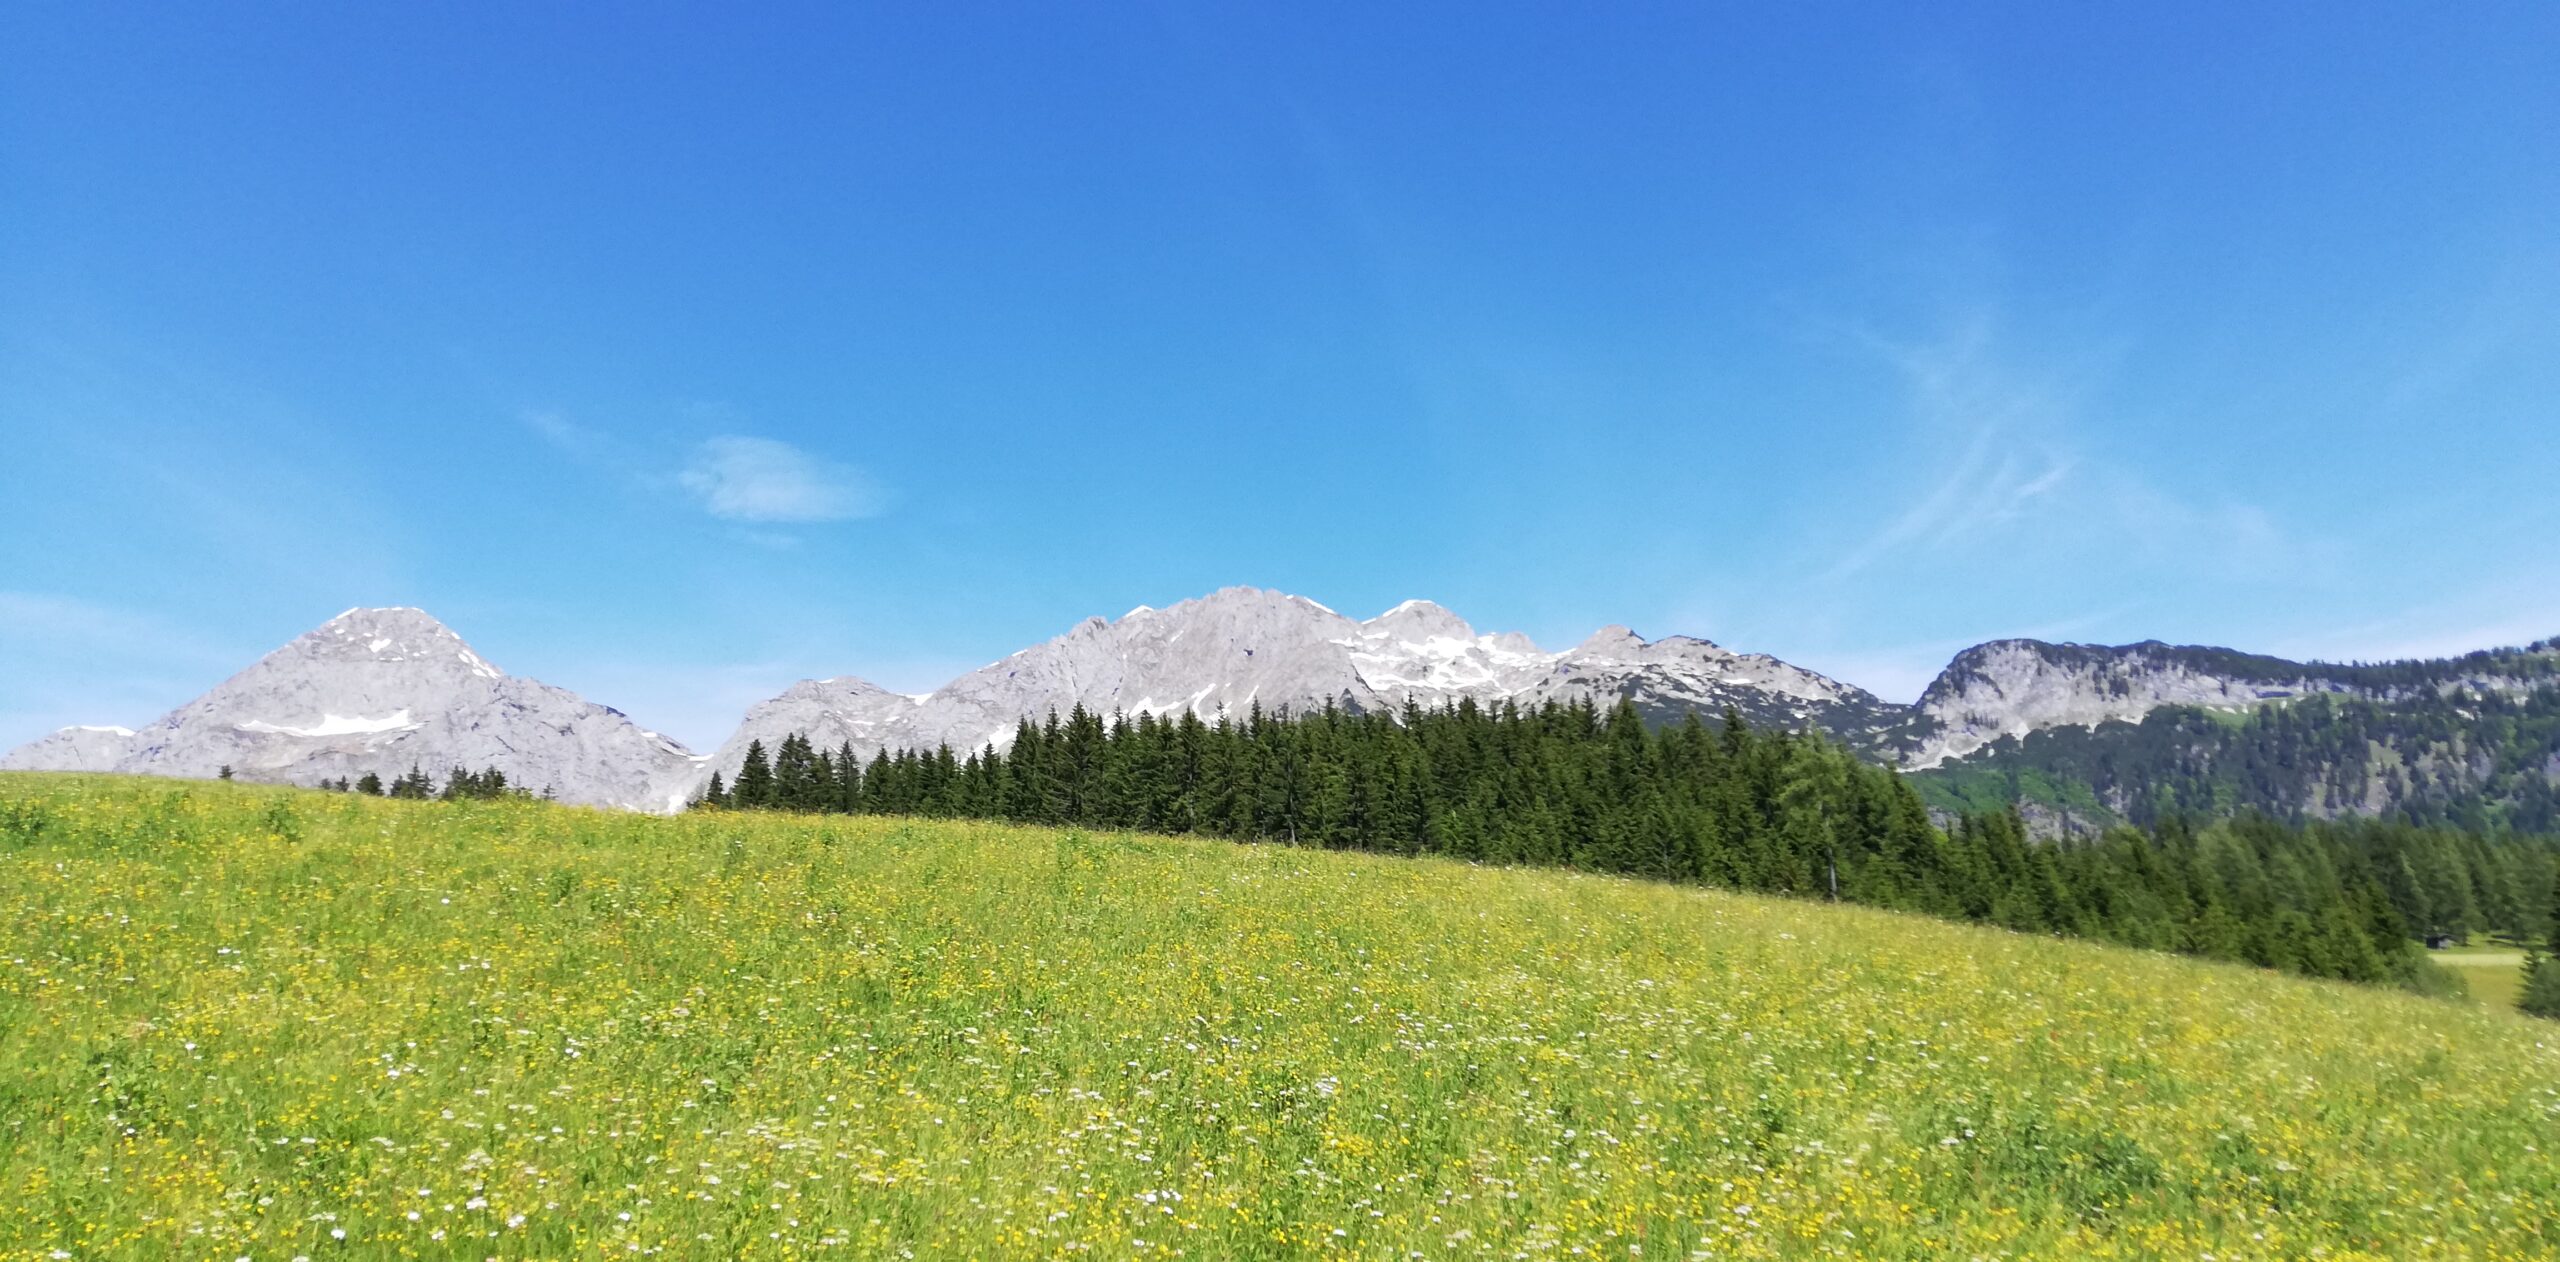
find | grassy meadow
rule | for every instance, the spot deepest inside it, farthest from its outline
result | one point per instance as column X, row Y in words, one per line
column 2493, row 972
column 249, row 1022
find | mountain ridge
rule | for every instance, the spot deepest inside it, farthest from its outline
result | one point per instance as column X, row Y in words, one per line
column 376, row 689
column 379, row 690
column 1241, row 647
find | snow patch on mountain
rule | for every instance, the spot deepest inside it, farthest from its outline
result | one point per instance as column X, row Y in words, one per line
column 333, row 725
column 1235, row 649
column 380, row 690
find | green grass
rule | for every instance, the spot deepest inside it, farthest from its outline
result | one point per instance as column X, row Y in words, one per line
column 241, row 1021
column 2494, row 972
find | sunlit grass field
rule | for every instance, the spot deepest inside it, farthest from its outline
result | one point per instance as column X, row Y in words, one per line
column 238, row 1021
column 2494, row 972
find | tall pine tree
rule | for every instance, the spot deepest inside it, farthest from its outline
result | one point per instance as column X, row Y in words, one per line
column 753, row 789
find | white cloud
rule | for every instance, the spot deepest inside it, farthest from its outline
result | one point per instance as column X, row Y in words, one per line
column 1998, row 438
column 2002, row 454
column 761, row 480
column 570, row 437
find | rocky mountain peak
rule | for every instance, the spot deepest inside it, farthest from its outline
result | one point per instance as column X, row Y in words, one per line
column 1244, row 647
column 2005, row 688
column 838, row 689
column 389, row 634
column 380, row 690
column 1612, row 642
column 1418, row 620
column 376, row 689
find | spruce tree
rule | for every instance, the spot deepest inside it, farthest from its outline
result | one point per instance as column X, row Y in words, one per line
column 2541, row 995
column 847, row 789
column 414, row 785
column 753, row 789
column 1763, row 811
column 795, row 782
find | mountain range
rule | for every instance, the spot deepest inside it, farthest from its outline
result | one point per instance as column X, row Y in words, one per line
column 382, row 689
column 379, row 690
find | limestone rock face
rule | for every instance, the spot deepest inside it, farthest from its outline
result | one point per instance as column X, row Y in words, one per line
column 2009, row 688
column 381, row 690
column 1235, row 649
column 72, row 749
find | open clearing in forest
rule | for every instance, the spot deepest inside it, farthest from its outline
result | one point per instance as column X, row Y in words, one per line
column 2494, row 974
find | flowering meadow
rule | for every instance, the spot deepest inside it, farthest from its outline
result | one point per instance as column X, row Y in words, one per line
column 266, row 1023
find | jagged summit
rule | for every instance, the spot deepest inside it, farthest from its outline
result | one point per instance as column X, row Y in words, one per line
column 379, row 690
column 1420, row 620
column 1240, row 648
column 2007, row 688
column 1612, row 641
column 395, row 633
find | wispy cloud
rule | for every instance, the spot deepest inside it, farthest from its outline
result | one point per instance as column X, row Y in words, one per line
column 2506, row 322
column 571, row 438
column 734, row 477
column 2003, row 452
column 737, row 478
column 2001, row 435
column 78, row 661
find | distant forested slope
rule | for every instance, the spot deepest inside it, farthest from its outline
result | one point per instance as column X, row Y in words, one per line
column 1727, row 805
column 2480, row 760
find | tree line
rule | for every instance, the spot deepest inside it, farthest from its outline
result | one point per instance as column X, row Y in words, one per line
column 1724, row 805
column 460, row 784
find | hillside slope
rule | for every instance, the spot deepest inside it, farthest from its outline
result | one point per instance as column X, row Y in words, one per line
column 2012, row 689
column 2485, row 760
column 240, row 1020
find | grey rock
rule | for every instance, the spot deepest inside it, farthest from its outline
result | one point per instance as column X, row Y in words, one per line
column 1240, row 648
column 2009, row 688
column 72, row 749
column 381, row 690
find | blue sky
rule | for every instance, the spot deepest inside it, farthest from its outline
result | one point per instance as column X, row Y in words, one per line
column 672, row 354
